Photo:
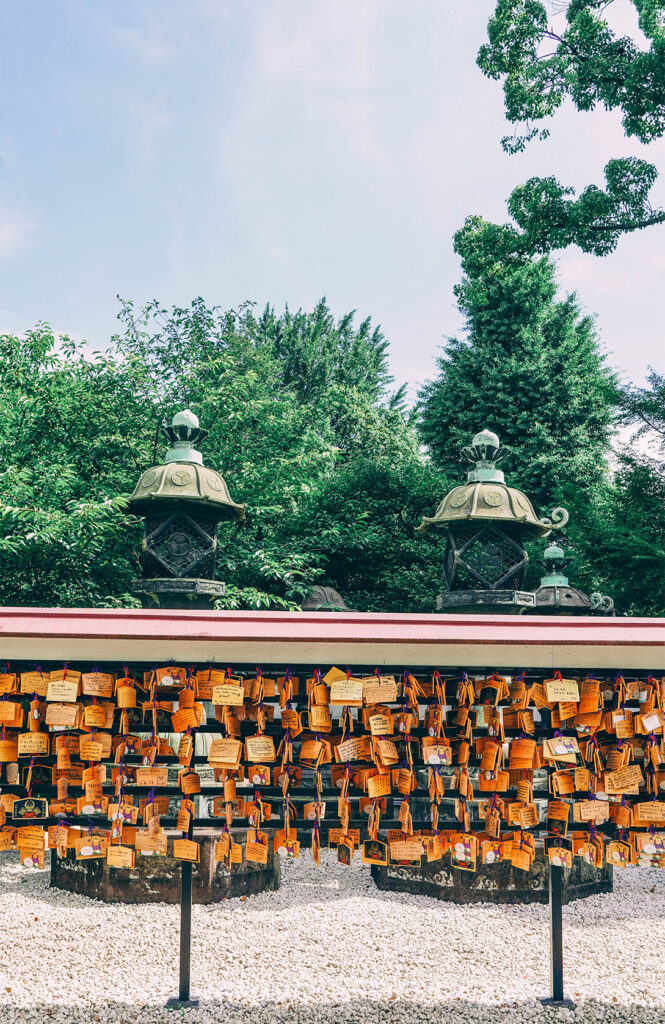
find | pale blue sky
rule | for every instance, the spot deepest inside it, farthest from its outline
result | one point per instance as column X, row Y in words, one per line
column 280, row 150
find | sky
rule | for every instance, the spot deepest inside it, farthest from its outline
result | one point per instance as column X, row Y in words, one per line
column 280, row 151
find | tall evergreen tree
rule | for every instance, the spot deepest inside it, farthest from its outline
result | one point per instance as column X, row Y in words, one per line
column 529, row 367
column 318, row 354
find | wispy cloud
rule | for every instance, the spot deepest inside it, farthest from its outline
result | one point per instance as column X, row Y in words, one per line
column 310, row 78
column 143, row 42
column 15, row 233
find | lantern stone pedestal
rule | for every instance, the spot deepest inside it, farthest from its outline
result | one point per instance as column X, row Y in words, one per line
column 194, row 594
column 157, row 879
column 486, row 602
column 493, row 883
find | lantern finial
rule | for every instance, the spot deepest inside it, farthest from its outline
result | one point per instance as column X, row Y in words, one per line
column 485, row 451
column 184, row 433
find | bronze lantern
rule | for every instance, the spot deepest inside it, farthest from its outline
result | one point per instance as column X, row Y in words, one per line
column 486, row 524
column 182, row 502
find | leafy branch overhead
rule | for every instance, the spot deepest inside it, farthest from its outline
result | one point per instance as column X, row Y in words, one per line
column 541, row 63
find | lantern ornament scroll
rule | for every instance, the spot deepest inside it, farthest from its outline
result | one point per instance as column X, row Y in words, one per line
column 182, row 502
column 486, row 525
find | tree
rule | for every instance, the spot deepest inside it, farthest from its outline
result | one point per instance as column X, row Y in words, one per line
column 94, row 424
column 627, row 549
column 318, row 356
column 361, row 521
column 619, row 541
column 644, row 409
column 63, row 535
column 529, row 367
column 293, row 402
column 587, row 62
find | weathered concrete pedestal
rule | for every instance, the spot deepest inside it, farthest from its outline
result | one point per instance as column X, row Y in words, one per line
column 486, row 602
column 181, row 593
column 493, row 883
column 157, row 879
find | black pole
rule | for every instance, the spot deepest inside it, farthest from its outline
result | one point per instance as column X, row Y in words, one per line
column 556, row 931
column 185, row 930
column 185, row 934
column 556, row 938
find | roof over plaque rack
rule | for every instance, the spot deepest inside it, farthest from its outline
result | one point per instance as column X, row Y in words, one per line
column 325, row 638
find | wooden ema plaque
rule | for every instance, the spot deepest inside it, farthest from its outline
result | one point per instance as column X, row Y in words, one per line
column 335, row 759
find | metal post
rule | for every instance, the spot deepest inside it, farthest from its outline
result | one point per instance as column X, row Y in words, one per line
column 556, row 939
column 184, row 998
column 556, row 932
column 185, row 930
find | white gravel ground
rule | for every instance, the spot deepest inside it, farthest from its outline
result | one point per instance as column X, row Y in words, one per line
column 328, row 947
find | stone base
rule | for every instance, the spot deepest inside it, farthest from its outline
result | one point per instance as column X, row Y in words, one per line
column 157, row 879
column 494, row 883
column 169, row 592
column 486, row 602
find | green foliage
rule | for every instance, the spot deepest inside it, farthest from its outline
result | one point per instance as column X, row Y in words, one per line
column 331, row 471
column 363, row 523
column 293, row 402
column 64, row 537
column 589, row 64
column 586, row 62
column 644, row 408
column 619, row 540
column 529, row 368
column 624, row 543
column 315, row 353
column 550, row 218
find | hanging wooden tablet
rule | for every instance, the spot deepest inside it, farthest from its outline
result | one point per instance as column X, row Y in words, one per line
column 405, row 850
column 120, row 856
column 63, row 687
column 186, row 849
column 256, row 847
column 35, row 683
column 260, row 748
column 97, row 684
column 29, row 808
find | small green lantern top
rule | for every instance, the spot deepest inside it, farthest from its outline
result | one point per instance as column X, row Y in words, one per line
column 486, row 497
column 556, row 596
column 554, row 560
column 184, row 434
column 183, row 477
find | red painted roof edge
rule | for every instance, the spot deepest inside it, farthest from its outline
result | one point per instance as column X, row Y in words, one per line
column 329, row 627
column 602, row 623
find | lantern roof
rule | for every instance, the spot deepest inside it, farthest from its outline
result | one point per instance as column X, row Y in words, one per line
column 182, row 477
column 485, row 497
column 324, row 599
